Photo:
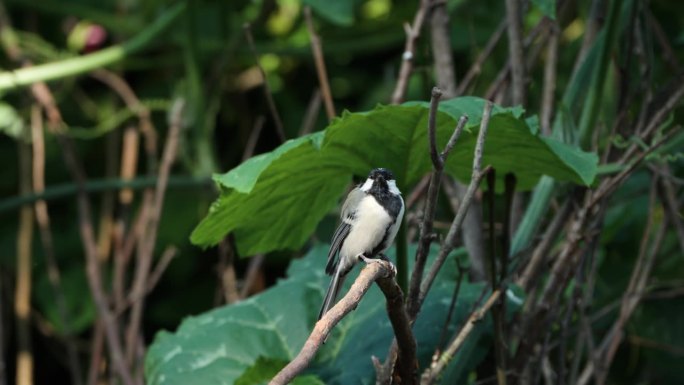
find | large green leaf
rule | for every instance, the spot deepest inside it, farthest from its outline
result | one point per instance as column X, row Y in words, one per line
column 228, row 343
column 266, row 368
column 274, row 201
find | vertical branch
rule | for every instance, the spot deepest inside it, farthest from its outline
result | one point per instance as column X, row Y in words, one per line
column 444, row 69
column 252, row 275
column 96, row 347
column 497, row 309
column 3, row 361
column 146, row 246
column 43, row 220
column 450, row 312
column 433, row 372
column 515, row 50
column 92, row 263
column 412, row 35
column 635, row 289
column 549, row 88
column 320, row 65
column 227, row 271
column 476, row 67
column 438, row 160
column 491, row 195
column 268, row 94
column 22, row 293
column 449, row 241
column 441, row 49
column 42, row 94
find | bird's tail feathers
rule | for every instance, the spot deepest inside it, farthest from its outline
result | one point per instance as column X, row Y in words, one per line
column 331, row 295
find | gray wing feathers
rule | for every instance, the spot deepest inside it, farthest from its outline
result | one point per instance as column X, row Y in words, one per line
column 347, row 216
column 339, row 236
column 333, row 267
column 350, row 204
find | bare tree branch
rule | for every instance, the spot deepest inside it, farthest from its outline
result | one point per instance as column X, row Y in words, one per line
column 378, row 271
column 432, row 373
column 476, row 67
column 438, row 160
column 146, row 245
column 43, row 220
column 412, row 35
column 268, row 94
column 450, row 240
column 320, row 65
column 515, row 49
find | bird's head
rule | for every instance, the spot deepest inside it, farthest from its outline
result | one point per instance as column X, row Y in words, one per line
column 381, row 179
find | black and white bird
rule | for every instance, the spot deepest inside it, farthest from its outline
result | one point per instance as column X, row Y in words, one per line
column 371, row 216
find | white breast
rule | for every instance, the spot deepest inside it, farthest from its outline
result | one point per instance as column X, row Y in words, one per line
column 368, row 228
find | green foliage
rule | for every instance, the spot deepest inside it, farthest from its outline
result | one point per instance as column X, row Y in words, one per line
column 261, row 333
column 548, row 7
column 275, row 200
column 81, row 64
column 11, row 123
column 266, row 368
column 340, row 12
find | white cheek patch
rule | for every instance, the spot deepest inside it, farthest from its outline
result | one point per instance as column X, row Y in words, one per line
column 367, row 185
column 392, row 184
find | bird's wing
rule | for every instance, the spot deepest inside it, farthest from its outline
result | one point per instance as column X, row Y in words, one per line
column 347, row 215
column 350, row 204
column 339, row 237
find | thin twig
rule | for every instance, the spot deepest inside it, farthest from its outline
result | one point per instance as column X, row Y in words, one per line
column 22, row 292
column 253, row 138
column 371, row 273
column 147, row 243
column 43, row 95
column 536, row 323
column 502, row 77
column 93, row 265
column 3, row 362
column 450, row 312
column 515, row 49
column 227, row 273
column 167, row 256
column 155, row 276
column 438, row 160
column 434, row 371
column 541, row 252
column 311, row 114
column 96, row 348
column 43, row 220
column 498, row 309
column 450, row 240
column 320, row 65
column 632, row 297
column 550, row 71
column 658, row 345
column 476, row 67
column 412, row 35
column 251, row 275
column 106, row 232
column 444, row 71
column 268, row 94
column 441, row 49
column 418, row 191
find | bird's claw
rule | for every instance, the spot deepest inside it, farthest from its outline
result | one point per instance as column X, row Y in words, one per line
column 381, row 258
